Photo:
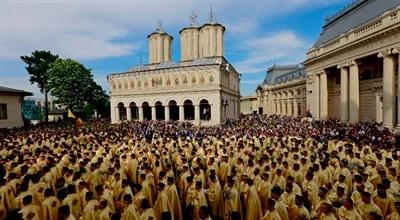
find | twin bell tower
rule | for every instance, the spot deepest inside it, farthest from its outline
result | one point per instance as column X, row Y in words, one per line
column 195, row 41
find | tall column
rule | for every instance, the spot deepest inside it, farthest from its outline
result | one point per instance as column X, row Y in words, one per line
column 295, row 105
column 389, row 87
column 397, row 51
column 140, row 113
column 279, row 101
column 323, row 96
column 153, row 113
column 166, row 113
column 354, row 93
column 117, row 115
column 197, row 112
column 344, row 93
column 128, row 114
column 289, row 107
column 317, row 99
column 181, row 113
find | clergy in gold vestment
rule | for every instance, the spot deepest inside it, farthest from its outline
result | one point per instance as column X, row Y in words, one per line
column 214, row 194
column 299, row 212
column 90, row 210
column 253, row 205
column 130, row 212
column 50, row 205
column 231, row 199
column 367, row 206
column 271, row 213
column 30, row 211
column 148, row 213
column 348, row 211
column 384, row 201
column 173, row 197
column 162, row 203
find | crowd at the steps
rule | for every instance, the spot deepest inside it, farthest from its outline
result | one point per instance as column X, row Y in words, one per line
column 257, row 167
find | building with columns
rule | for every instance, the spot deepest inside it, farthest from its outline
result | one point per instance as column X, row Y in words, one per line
column 283, row 91
column 202, row 88
column 353, row 67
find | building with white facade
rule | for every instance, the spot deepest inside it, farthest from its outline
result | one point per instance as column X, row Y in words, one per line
column 353, row 67
column 203, row 87
column 10, row 107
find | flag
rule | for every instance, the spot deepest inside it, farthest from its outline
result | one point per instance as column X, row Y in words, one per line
column 70, row 114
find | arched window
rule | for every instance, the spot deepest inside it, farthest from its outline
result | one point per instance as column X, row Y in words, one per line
column 205, row 110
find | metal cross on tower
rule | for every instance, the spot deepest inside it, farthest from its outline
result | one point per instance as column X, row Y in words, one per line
column 211, row 15
column 159, row 26
column 193, row 18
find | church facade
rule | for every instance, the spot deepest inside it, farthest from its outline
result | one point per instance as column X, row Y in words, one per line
column 353, row 68
column 203, row 87
column 283, row 91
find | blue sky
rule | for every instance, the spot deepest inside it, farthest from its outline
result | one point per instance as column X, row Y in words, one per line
column 111, row 36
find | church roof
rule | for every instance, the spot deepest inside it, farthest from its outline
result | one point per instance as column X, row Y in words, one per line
column 171, row 64
column 4, row 89
column 282, row 73
column 356, row 14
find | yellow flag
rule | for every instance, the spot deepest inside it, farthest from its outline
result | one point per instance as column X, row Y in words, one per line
column 70, row 114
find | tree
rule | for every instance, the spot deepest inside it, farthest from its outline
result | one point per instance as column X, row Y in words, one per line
column 73, row 85
column 38, row 65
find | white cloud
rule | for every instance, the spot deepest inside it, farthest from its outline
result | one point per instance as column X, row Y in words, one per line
column 88, row 29
column 281, row 47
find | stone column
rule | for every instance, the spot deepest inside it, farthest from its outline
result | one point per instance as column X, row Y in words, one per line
column 344, row 93
column 140, row 113
column 397, row 51
column 316, row 114
column 153, row 113
column 279, row 100
column 295, row 105
column 289, row 104
column 197, row 112
column 354, row 93
column 117, row 115
column 166, row 113
column 323, row 96
column 181, row 113
column 128, row 114
column 389, row 87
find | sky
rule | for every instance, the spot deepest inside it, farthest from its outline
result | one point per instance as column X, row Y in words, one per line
column 110, row 36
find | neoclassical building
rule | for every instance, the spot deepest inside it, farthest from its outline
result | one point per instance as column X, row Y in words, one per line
column 283, row 91
column 353, row 67
column 202, row 88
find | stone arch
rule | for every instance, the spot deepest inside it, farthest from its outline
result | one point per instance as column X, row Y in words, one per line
column 173, row 110
column 121, row 111
column 160, row 111
column 205, row 110
column 134, row 111
column 188, row 109
column 146, row 111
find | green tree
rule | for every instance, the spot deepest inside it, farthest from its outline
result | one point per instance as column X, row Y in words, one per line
column 73, row 85
column 37, row 66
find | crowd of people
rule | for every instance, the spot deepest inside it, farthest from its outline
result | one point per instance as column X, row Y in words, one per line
column 255, row 168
